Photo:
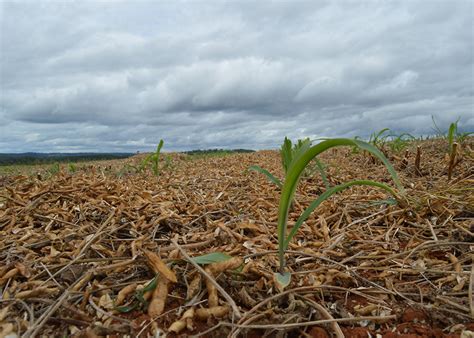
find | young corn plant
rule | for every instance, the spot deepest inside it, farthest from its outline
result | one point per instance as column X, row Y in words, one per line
column 455, row 136
column 54, row 169
column 452, row 135
column 379, row 138
column 153, row 159
column 72, row 168
column 300, row 160
column 400, row 142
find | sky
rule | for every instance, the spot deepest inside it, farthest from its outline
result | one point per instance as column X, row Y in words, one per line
column 119, row 76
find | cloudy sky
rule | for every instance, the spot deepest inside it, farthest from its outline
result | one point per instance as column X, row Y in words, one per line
column 118, row 76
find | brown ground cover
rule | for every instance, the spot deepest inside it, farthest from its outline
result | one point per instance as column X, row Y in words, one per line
column 79, row 251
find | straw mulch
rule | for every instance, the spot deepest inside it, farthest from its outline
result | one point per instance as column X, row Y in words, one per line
column 80, row 252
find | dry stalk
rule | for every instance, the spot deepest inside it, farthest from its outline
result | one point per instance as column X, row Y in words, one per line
column 470, row 291
column 38, row 324
column 405, row 160
column 418, row 160
column 433, row 233
column 452, row 160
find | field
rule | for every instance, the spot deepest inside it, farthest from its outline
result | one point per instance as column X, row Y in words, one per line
column 80, row 249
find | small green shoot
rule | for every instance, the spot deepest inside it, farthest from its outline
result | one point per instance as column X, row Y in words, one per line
column 72, row 168
column 300, row 160
column 140, row 301
column 54, row 169
column 153, row 159
column 452, row 135
column 378, row 139
column 399, row 142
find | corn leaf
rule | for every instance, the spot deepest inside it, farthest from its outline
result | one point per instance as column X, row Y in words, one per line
column 265, row 172
column 126, row 309
column 320, row 167
column 324, row 196
column 211, row 258
column 296, row 169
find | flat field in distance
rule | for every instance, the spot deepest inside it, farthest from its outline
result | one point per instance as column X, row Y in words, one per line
column 79, row 248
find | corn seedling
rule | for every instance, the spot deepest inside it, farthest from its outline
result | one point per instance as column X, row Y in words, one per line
column 452, row 135
column 54, row 169
column 72, row 168
column 400, row 142
column 139, row 302
column 153, row 159
column 455, row 136
column 378, row 139
column 321, row 168
column 168, row 162
column 299, row 162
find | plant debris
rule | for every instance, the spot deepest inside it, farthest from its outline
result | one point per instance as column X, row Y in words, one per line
column 104, row 250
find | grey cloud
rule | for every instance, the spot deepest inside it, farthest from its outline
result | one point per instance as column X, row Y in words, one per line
column 118, row 75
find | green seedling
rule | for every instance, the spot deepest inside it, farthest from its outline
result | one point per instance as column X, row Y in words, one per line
column 319, row 167
column 295, row 169
column 72, row 168
column 400, row 142
column 455, row 136
column 452, row 135
column 54, row 169
column 378, row 139
column 139, row 301
column 153, row 159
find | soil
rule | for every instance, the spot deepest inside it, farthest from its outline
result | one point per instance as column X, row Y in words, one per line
column 78, row 249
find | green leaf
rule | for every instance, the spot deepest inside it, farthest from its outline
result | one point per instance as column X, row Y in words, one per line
column 282, row 280
column 320, row 168
column 451, row 133
column 286, row 154
column 324, row 196
column 294, row 173
column 125, row 309
column 149, row 287
column 272, row 178
column 210, row 258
